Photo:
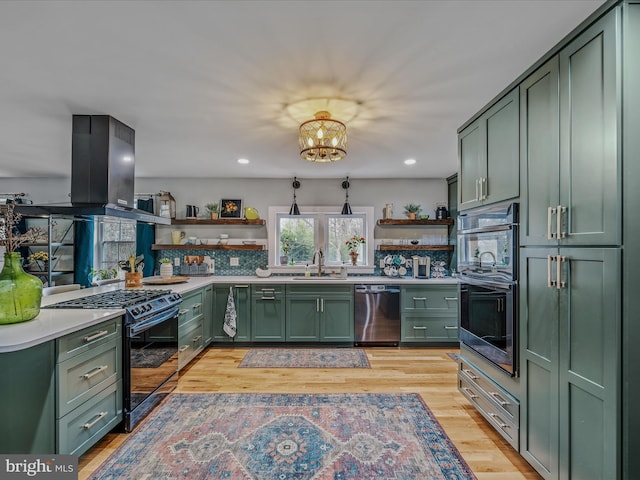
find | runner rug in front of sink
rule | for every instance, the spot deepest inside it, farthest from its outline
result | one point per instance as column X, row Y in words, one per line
column 305, row 358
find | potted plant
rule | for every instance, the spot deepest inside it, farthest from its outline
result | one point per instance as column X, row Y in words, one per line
column 166, row 269
column 99, row 276
column 286, row 248
column 411, row 210
column 21, row 292
column 353, row 246
column 213, row 209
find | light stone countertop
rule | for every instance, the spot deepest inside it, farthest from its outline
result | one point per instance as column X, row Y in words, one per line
column 53, row 323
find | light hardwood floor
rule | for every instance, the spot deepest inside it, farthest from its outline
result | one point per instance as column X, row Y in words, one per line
column 429, row 372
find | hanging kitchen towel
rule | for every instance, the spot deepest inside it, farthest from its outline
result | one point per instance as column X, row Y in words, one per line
column 230, row 316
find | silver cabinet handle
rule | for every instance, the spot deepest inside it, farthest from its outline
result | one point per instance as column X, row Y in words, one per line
column 470, row 392
column 196, row 339
column 559, row 261
column 449, row 327
column 322, row 305
column 501, row 422
column 499, row 399
column 559, row 232
column 421, row 299
column 419, row 328
column 183, row 312
column 477, row 183
column 99, row 417
column 483, row 188
column 241, row 286
column 94, row 372
column 196, row 305
column 451, row 299
column 95, row 336
column 317, row 304
column 470, row 373
column 550, row 281
column 183, row 348
column 267, row 298
column 267, row 289
column 550, row 212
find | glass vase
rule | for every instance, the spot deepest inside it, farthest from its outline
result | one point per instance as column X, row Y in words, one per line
column 20, row 292
column 354, row 258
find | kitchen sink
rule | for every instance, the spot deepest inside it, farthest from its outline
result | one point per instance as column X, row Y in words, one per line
column 324, row 277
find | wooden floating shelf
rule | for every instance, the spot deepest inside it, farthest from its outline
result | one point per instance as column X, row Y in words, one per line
column 415, row 223
column 206, row 247
column 219, row 221
column 416, row 247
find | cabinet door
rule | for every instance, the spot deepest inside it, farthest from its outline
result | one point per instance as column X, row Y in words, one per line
column 208, row 315
column 303, row 318
column 267, row 319
column 502, row 177
column 472, row 165
column 539, row 154
column 589, row 346
column 589, row 160
column 242, row 300
column 539, row 415
column 336, row 319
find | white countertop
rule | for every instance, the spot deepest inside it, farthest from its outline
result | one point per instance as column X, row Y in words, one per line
column 53, row 323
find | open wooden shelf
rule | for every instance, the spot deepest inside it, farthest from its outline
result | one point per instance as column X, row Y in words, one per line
column 220, row 221
column 414, row 223
column 416, row 247
column 158, row 246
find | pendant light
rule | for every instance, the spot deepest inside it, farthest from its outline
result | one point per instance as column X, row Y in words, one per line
column 294, row 206
column 346, row 208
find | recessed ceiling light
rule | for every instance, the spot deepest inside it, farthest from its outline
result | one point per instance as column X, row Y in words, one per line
column 243, row 161
column 410, row 161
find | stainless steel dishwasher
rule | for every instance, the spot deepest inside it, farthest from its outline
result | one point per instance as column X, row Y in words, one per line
column 377, row 315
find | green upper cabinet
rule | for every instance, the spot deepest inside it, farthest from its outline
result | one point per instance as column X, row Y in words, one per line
column 242, row 301
column 569, row 153
column 488, row 149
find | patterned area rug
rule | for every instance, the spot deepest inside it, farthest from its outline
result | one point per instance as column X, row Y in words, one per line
column 305, row 358
column 282, row 437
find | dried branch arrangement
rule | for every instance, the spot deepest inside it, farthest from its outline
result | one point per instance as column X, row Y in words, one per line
column 10, row 238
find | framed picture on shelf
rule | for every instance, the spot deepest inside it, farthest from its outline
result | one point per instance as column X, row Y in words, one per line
column 230, row 208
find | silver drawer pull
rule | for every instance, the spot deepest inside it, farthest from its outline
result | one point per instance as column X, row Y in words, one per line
column 499, row 399
column 196, row 305
column 451, row 299
column 99, row 417
column 183, row 312
column 183, row 348
column 419, row 328
column 422, row 299
column 241, row 286
column 267, row 298
column 470, row 373
column 95, row 336
column 449, row 327
column 470, row 392
column 267, row 289
column 196, row 339
column 499, row 420
column 94, row 372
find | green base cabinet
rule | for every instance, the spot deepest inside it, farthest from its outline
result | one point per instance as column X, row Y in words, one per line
column 208, row 315
column 242, row 301
column 267, row 313
column 317, row 314
column 429, row 314
column 190, row 327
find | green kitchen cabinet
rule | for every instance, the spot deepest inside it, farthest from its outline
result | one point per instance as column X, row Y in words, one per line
column 319, row 314
column 267, row 313
column 190, row 327
column 208, row 325
column 488, row 150
column 242, row 301
column 570, row 341
column 429, row 314
column 569, row 152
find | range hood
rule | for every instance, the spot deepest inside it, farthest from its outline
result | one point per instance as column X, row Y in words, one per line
column 102, row 173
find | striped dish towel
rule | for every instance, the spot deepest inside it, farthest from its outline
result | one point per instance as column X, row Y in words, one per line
column 230, row 316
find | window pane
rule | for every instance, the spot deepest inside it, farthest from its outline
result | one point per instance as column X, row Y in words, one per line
column 340, row 229
column 298, row 234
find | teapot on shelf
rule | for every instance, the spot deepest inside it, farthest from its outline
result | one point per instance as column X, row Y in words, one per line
column 251, row 213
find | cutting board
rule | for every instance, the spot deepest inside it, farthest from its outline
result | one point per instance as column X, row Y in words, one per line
column 165, row 281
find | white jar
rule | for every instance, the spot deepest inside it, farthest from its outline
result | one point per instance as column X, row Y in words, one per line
column 166, row 270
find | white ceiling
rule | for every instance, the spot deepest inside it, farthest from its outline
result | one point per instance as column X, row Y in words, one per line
column 204, row 83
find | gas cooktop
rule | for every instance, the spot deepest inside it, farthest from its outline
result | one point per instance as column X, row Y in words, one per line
column 115, row 299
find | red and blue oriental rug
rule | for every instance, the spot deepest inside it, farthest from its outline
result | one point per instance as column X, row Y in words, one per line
column 305, row 358
column 282, row 437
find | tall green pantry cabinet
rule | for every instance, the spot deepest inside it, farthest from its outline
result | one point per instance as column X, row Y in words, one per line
column 570, row 260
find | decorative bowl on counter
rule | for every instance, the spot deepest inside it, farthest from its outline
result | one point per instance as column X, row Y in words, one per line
column 263, row 273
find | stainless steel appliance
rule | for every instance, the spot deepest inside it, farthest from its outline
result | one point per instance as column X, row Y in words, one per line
column 377, row 315
column 487, row 262
column 150, row 345
column 421, row 266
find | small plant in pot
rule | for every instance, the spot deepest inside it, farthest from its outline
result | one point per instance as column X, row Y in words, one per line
column 98, row 276
column 411, row 210
column 212, row 209
column 286, row 248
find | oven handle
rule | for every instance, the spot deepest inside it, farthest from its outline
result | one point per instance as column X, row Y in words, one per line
column 489, row 229
column 156, row 319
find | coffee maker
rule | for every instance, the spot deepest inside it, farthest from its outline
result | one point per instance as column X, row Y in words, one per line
column 421, row 267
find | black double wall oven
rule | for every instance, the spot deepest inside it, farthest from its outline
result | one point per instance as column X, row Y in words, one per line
column 487, row 263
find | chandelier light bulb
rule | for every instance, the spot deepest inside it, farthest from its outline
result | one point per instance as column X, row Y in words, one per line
column 320, row 134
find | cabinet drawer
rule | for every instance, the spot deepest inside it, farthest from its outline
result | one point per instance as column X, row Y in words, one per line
column 267, row 290
column 192, row 306
column 436, row 299
column 88, row 338
column 80, row 377
column 84, row 426
column 489, row 410
column 509, row 407
column 191, row 342
column 320, row 290
column 425, row 328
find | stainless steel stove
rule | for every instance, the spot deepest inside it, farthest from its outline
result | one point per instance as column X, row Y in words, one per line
column 150, row 345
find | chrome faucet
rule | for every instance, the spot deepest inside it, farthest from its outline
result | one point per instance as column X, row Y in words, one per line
column 320, row 256
column 487, row 253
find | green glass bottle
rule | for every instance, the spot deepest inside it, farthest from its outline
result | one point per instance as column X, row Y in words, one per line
column 20, row 292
